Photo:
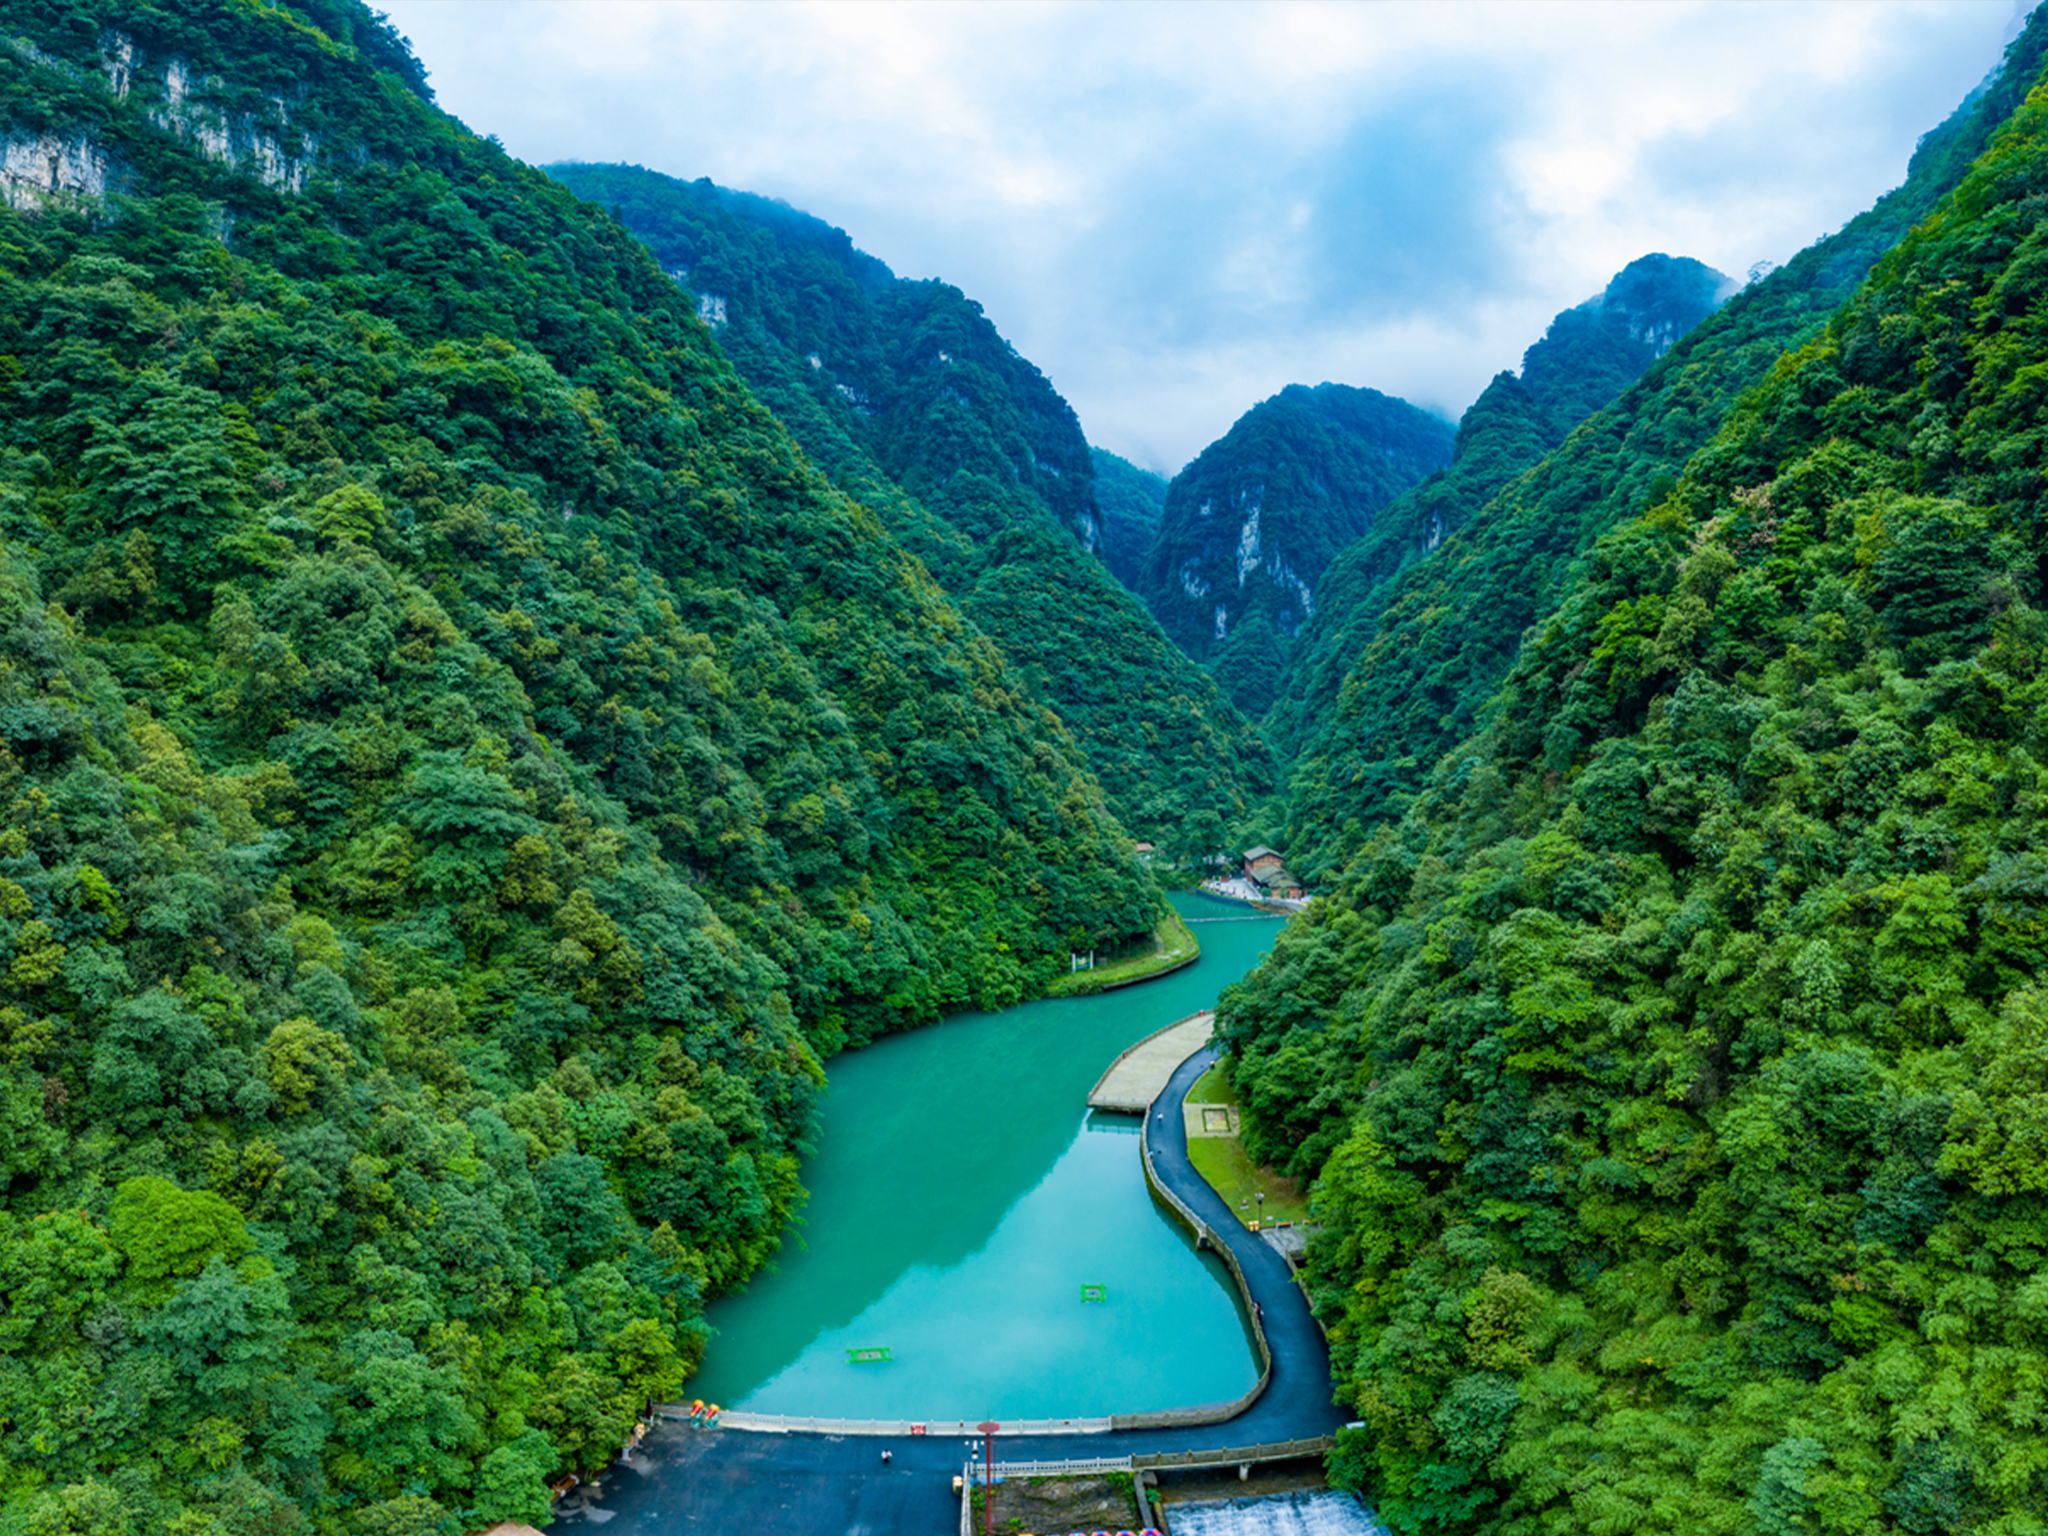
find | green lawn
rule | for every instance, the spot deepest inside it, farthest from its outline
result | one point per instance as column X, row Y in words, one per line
column 1213, row 1087
column 1223, row 1161
column 1172, row 946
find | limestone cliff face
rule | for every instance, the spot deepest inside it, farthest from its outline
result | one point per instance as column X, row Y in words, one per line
column 40, row 165
column 35, row 167
column 1250, row 526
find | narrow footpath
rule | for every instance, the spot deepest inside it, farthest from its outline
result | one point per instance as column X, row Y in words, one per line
column 741, row 1483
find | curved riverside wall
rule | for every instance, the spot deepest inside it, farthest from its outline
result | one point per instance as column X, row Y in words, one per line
column 902, row 1429
column 1212, row 1413
column 1139, row 981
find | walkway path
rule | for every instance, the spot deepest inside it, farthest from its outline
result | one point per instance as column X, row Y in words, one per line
column 718, row 1482
column 1140, row 1075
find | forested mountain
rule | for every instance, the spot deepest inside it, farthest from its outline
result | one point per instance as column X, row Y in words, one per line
column 462, row 767
column 1249, row 527
column 1431, row 645
column 1672, row 1066
column 1589, row 354
column 1130, row 500
column 911, row 400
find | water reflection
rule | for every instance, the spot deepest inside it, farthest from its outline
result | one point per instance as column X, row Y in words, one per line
column 957, row 1207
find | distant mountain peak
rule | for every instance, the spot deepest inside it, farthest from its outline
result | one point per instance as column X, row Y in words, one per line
column 1658, row 298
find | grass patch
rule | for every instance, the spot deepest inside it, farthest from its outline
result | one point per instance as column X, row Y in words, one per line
column 1223, row 1161
column 1213, row 1087
column 1173, row 946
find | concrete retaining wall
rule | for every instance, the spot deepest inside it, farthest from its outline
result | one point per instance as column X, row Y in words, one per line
column 1205, row 1236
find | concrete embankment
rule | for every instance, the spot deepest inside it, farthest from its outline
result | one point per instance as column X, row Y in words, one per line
column 718, row 1482
column 1140, row 1074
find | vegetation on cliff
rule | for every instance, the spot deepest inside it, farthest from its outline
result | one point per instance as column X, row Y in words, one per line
column 1131, row 500
column 1430, row 645
column 908, row 396
column 1588, row 355
column 461, row 770
column 1671, row 1068
column 1250, row 526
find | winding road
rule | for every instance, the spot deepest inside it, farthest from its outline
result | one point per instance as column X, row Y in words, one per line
column 737, row 1483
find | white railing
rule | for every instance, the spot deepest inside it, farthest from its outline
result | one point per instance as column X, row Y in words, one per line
column 1071, row 1467
column 784, row 1424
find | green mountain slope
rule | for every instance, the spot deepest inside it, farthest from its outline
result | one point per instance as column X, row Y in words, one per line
column 1432, row 644
column 1130, row 500
column 911, row 400
column 462, row 769
column 1250, row 526
column 1588, row 356
column 1672, row 1068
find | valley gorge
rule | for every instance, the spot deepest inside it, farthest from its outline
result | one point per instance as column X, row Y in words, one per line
column 506, row 672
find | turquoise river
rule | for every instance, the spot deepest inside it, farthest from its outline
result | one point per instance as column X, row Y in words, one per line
column 961, row 1196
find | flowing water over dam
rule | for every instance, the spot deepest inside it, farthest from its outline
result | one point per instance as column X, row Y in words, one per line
column 961, row 1197
column 1286, row 1514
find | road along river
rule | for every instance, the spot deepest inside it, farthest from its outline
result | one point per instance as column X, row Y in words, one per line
column 740, row 1483
column 961, row 1197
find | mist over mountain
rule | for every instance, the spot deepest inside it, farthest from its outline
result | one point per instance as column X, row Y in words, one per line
column 1430, row 645
column 1586, row 357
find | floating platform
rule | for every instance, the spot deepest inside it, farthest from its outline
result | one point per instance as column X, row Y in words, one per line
column 1136, row 1077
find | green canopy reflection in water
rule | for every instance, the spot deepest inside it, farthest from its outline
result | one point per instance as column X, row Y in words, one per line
column 960, row 1198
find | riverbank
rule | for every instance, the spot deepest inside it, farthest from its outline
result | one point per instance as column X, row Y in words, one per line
column 724, row 1483
column 1174, row 947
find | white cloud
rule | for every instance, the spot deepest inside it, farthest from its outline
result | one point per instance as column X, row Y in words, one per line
column 1175, row 209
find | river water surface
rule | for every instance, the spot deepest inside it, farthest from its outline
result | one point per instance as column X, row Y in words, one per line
column 961, row 1196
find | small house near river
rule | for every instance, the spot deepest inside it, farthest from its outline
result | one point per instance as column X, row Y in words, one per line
column 1264, row 868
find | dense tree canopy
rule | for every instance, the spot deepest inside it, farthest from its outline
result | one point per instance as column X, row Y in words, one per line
column 1670, row 1070
column 1131, row 500
column 915, row 404
column 461, row 771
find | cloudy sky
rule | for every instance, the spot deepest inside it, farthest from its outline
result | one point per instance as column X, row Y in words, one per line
column 1175, row 209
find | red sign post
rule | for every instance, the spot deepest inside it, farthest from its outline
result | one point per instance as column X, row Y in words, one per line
column 988, row 1473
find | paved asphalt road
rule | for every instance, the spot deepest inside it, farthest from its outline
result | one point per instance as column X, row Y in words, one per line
column 739, row 1483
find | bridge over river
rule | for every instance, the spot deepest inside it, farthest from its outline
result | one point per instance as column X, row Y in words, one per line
column 812, row 1482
